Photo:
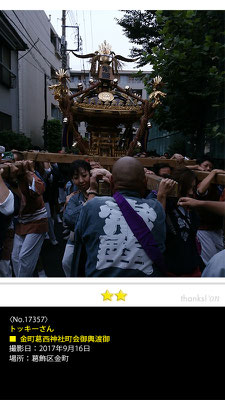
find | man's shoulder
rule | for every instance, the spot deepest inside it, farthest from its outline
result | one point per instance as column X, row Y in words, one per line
column 154, row 203
column 98, row 201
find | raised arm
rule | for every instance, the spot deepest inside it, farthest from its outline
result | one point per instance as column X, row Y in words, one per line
column 218, row 207
column 164, row 188
column 205, row 183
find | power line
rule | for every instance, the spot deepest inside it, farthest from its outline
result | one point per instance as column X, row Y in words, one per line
column 164, row 136
column 17, row 28
column 74, row 27
column 44, row 44
column 85, row 38
column 32, row 55
column 22, row 25
column 91, row 32
column 43, row 24
column 28, row 51
column 71, row 17
column 36, row 48
column 31, row 42
column 25, row 59
column 75, row 22
column 32, row 46
column 35, row 34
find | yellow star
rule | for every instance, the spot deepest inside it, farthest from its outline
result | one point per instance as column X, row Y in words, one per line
column 121, row 295
column 107, row 295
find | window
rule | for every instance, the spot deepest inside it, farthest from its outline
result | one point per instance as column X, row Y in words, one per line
column 53, row 76
column 5, row 122
column 136, row 79
column 7, row 78
column 5, row 56
column 53, row 38
column 75, row 79
column 55, row 112
column 56, row 42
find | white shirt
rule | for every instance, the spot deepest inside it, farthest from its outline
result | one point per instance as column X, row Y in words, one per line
column 7, row 207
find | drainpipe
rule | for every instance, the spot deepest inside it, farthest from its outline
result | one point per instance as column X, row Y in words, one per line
column 46, row 115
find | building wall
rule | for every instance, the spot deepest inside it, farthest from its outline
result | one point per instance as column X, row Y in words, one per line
column 126, row 77
column 33, row 65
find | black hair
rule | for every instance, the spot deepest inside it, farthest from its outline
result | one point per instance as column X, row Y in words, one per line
column 157, row 167
column 167, row 176
column 76, row 165
column 185, row 177
column 37, row 148
column 205, row 157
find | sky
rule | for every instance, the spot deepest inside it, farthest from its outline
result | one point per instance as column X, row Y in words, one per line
column 97, row 23
column 95, row 26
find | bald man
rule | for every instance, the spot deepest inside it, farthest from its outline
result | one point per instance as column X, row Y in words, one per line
column 111, row 249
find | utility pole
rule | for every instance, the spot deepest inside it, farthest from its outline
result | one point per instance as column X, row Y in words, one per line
column 63, row 41
column 46, row 115
column 66, row 136
column 64, row 67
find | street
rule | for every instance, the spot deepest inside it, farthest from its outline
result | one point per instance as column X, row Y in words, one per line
column 51, row 255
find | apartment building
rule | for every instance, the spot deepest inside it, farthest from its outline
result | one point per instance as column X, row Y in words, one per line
column 36, row 61
column 10, row 44
column 126, row 78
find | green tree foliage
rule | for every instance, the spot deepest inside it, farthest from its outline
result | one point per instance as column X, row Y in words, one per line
column 11, row 140
column 54, row 136
column 188, row 50
column 143, row 30
column 178, row 146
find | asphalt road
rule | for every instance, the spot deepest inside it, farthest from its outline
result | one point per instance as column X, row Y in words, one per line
column 51, row 255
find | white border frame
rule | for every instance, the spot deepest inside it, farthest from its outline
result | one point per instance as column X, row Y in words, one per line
column 87, row 292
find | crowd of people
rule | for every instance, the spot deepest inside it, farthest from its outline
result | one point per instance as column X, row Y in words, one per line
column 132, row 232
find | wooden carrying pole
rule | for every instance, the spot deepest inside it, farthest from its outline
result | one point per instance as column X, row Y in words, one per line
column 153, row 182
column 104, row 161
column 107, row 162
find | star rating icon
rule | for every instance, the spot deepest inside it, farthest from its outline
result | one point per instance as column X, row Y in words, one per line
column 108, row 296
column 121, row 295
